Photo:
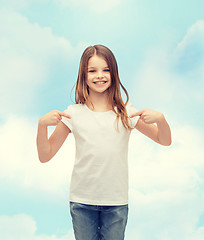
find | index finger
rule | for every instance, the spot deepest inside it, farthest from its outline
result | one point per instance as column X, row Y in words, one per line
column 139, row 113
column 63, row 114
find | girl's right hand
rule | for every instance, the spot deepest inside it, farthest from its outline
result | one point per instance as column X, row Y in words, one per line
column 52, row 118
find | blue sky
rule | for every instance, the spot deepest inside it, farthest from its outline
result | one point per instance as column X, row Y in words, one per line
column 160, row 52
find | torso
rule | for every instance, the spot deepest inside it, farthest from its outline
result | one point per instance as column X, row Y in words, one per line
column 100, row 107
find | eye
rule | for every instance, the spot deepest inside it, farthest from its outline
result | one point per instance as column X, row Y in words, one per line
column 107, row 70
column 91, row 71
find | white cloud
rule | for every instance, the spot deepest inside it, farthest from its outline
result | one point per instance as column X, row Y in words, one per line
column 20, row 164
column 19, row 5
column 165, row 182
column 172, row 80
column 23, row 227
column 166, row 194
column 17, row 226
column 28, row 53
column 13, row 4
column 19, row 36
column 189, row 59
column 100, row 6
column 154, row 82
column 195, row 34
column 189, row 53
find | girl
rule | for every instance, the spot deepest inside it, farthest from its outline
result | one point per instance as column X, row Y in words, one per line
column 101, row 123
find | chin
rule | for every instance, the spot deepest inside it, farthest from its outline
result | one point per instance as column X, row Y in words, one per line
column 102, row 90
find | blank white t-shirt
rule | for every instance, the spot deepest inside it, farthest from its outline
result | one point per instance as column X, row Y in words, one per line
column 100, row 173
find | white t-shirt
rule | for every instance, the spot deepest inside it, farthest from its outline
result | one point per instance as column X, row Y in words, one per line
column 100, row 173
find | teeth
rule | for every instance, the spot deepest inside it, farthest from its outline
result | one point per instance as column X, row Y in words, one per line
column 99, row 82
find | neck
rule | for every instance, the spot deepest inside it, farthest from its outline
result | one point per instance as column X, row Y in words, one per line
column 99, row 101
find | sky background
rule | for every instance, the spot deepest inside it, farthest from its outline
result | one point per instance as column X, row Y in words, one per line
column 159, row 46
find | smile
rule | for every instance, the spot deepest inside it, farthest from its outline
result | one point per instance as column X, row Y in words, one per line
column 100, row 82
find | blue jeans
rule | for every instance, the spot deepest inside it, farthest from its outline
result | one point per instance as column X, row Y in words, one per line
column 92, row 222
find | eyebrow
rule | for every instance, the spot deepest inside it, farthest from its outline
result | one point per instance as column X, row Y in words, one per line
column 95, row 67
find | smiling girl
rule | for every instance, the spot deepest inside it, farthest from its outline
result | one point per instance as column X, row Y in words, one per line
column 101, row 123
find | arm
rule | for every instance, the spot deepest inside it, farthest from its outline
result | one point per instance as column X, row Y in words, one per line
column 47, row 148
column 160, row 132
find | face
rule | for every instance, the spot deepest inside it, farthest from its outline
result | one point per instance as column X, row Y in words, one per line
column 98, row 77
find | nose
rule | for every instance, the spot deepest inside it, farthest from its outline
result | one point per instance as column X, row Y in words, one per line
column 100, row 74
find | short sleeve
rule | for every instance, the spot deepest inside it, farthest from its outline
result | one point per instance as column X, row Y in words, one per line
column 67, row 121
column 131, row 110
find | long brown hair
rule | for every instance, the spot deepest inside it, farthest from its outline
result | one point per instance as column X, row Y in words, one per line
column 82, row 91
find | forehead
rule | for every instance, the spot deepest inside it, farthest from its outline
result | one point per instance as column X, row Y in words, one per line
column 97, row 61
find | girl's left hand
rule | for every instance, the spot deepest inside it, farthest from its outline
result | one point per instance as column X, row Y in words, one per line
column 148, row 116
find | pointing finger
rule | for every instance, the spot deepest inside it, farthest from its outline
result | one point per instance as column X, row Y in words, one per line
column 139, row 113
column 63, row 114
